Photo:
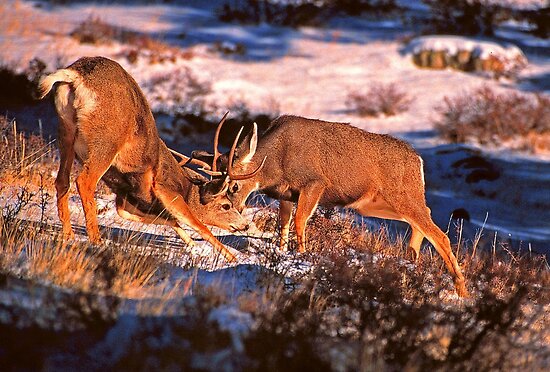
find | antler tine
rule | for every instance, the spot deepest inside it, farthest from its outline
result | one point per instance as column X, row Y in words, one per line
column 186, row 160
column 216, row 139
column 238, row 177
column 211, row 173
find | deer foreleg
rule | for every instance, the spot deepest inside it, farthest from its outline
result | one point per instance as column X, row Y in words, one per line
column 131, row 213
column 285, row 213
column 174, row 203
column 307, row 202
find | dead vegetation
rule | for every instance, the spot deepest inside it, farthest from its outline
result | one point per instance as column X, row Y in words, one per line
column 485, row 116
column 94, row 30
column 364, row 306
column 24, row 158
column 387, row 99
column 361, row 305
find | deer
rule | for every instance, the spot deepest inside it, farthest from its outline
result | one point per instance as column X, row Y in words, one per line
column 312, row 162
column 106, row 123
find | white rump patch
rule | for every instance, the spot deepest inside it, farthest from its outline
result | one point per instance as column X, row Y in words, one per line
column 85, row 99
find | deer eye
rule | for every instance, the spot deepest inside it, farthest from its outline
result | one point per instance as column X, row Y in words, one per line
column 226, row 207
column 235, row 188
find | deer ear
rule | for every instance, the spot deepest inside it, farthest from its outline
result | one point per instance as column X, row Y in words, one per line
column 210, row 190
column 250, row 150
column 196, row 179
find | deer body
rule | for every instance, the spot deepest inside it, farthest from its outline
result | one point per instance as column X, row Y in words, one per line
column 313, row 162
column 105, row 122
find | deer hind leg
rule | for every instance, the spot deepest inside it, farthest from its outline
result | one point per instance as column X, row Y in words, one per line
column 285, row 213
column 420, row 220
column 178, row 208
column 307, row 202
column 93, row 169
column 415, row 243
column 66, row 139
column 131, row 213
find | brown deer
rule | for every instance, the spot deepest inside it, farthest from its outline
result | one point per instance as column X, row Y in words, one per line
column 105, row 121
column 313, row 162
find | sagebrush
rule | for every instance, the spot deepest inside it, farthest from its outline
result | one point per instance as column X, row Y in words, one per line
column 486, row 116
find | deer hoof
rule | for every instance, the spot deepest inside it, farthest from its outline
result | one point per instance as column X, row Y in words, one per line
column 68, row 235
column 411, row 254
column 461, row 290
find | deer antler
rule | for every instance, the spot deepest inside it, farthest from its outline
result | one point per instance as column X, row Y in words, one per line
column 238, row 177
column 186, row 160
column 216, row 139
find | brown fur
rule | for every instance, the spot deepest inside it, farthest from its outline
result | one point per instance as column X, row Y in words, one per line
column 105, row 121
column 314, row 162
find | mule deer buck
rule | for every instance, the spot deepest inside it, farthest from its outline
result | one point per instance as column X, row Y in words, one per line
column 314, row 162
column 105, row 120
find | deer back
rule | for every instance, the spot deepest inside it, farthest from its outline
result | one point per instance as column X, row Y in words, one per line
column 349, row 161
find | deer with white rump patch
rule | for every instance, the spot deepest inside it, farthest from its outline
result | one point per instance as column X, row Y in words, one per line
column 313, row 162
column 105, row 121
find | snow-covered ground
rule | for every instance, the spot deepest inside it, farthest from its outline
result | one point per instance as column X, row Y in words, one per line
column 310, row 72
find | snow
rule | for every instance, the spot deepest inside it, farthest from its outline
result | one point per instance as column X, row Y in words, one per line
column 308, row 72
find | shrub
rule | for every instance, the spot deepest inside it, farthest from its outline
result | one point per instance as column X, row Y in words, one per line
column 178, row 92
column 539, row 18
column 467, row 54
column 298, row 13
column 465, row 17
column 487, row 117
column 18, row 88
column 385, row 99
column 95, row 31
column 364, row 307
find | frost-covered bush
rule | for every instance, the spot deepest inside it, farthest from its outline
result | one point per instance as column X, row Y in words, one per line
column 467, row 54
column 487, row 117
column 385, row 99
column 361, row 308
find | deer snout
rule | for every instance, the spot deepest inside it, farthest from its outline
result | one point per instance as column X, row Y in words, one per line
column 241, row 228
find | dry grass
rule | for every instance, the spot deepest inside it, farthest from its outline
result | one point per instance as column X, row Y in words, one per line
column 387, row 99
column 487, row 117
column 34, row 255
column 24, row 159
column 360, row 305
